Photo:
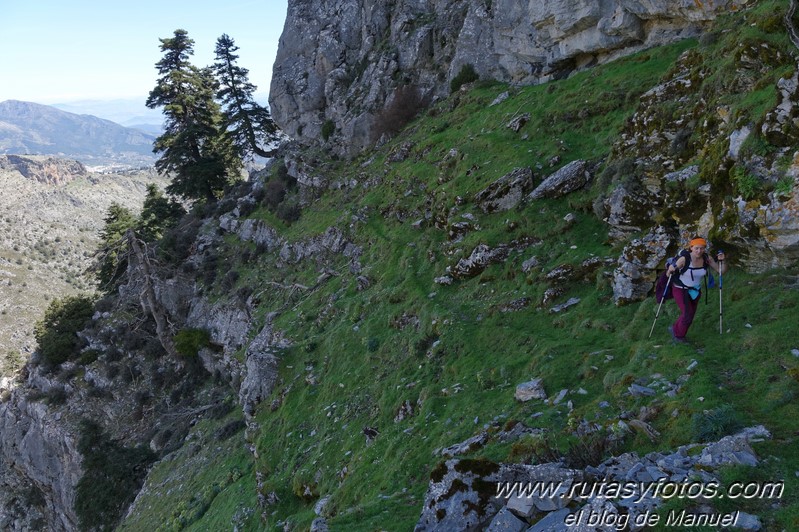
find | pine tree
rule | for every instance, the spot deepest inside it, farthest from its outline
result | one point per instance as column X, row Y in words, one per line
column 158, row 214
column 113, row 262
column 250, row 124
column 195, row 146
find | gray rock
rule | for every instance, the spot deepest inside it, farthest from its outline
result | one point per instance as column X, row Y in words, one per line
column 532, row 262
column 563, row 306
column 319, row 525
column 261, row 366
column 506, row 192
column 639, row 391
column 747, row 521
column 479, row 259
column 505, row 521
column 533, row 389
column 465, row 447
column 552, row 522
column 632, row 279
column 511, row 42
column 571, row 177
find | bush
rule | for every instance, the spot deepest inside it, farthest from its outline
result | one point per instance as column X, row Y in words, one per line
column 188, row 342
column 113, row 474
column 746, row 183
column 57, row 333
column 328, row 128
column 274, row 193
column 406, row 103
column 714, row 424
column 466, row 75
column 289, row 212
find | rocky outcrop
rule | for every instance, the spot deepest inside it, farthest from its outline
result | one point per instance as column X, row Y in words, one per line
column 45, row 170
column 571, row 177
column 635, row 274
column 339, row 63
column 40, row 467
column 479, row 494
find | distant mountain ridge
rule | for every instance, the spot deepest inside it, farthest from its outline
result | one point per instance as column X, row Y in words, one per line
column 31, row 128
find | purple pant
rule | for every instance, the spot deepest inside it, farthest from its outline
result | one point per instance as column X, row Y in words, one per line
column 687, row 311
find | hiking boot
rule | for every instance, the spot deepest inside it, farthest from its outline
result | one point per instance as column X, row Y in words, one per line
column 674, row 338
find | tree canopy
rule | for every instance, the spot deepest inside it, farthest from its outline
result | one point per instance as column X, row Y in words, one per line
column 249, row 123
column 196, row 147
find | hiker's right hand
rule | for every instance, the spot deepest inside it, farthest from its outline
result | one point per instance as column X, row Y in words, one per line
column 671, row 269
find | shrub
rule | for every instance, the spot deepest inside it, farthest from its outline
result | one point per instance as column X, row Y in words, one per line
column 188, row 342
column 746, row 183
column 288, row 212
column 112, row 475
column 328, row 128
column 274, row 193
column 714, row 424
column 57, row 333
column 406, row 103
column 466, row 75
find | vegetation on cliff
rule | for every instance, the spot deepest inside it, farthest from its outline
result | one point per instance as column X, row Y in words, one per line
column 390, row 356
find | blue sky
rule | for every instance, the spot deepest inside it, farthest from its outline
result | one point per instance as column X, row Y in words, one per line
column 56, row 51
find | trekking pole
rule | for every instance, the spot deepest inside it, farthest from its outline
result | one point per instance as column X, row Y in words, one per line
column 662, row 299
column 721, row 284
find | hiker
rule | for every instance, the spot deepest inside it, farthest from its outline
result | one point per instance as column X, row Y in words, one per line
column 691, row 265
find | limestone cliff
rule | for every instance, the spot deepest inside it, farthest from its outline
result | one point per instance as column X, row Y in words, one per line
column 340, row 62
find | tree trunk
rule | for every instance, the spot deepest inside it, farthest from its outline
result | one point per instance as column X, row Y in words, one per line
column 147, row 298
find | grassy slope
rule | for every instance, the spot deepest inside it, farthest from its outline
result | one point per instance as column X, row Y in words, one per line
column 460, row 365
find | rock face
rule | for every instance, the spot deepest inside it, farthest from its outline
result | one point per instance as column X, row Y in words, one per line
column 45, row 170
column 340, row 62
column 39, row 459
column 482, row 495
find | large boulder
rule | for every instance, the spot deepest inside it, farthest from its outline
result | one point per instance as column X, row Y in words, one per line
column 569, row 178
column 506, row 192
column 633, row 278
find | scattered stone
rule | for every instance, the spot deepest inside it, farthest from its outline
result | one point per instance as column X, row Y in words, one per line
column 682, row 175
column 515, row 305
column 562, row 274
column 692, row 365
column 552, row 522
column 533, row 389
column 458, row 229
column 499, row 99
column 478, row 260
column 561, row 395
column 644, row 428
column 563, row 306
column 405, row 411
column 632, row 279
column 321, row 504
column 518, row 122
column 550, row 294
column 638, row 391
column 569, row 178
column 747, row 521
column 532, row 262
column 505, row 521
column 795, row 352
column 465, row 447
column 444, row 279
column 319, row 525
column 506, row 192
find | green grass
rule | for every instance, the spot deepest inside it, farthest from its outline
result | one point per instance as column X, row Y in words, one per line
column 450, row 351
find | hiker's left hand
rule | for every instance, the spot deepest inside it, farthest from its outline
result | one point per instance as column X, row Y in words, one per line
column 720, row 256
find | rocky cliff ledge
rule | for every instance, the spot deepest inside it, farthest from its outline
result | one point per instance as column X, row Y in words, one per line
column 45, row 170
column 341, row 62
